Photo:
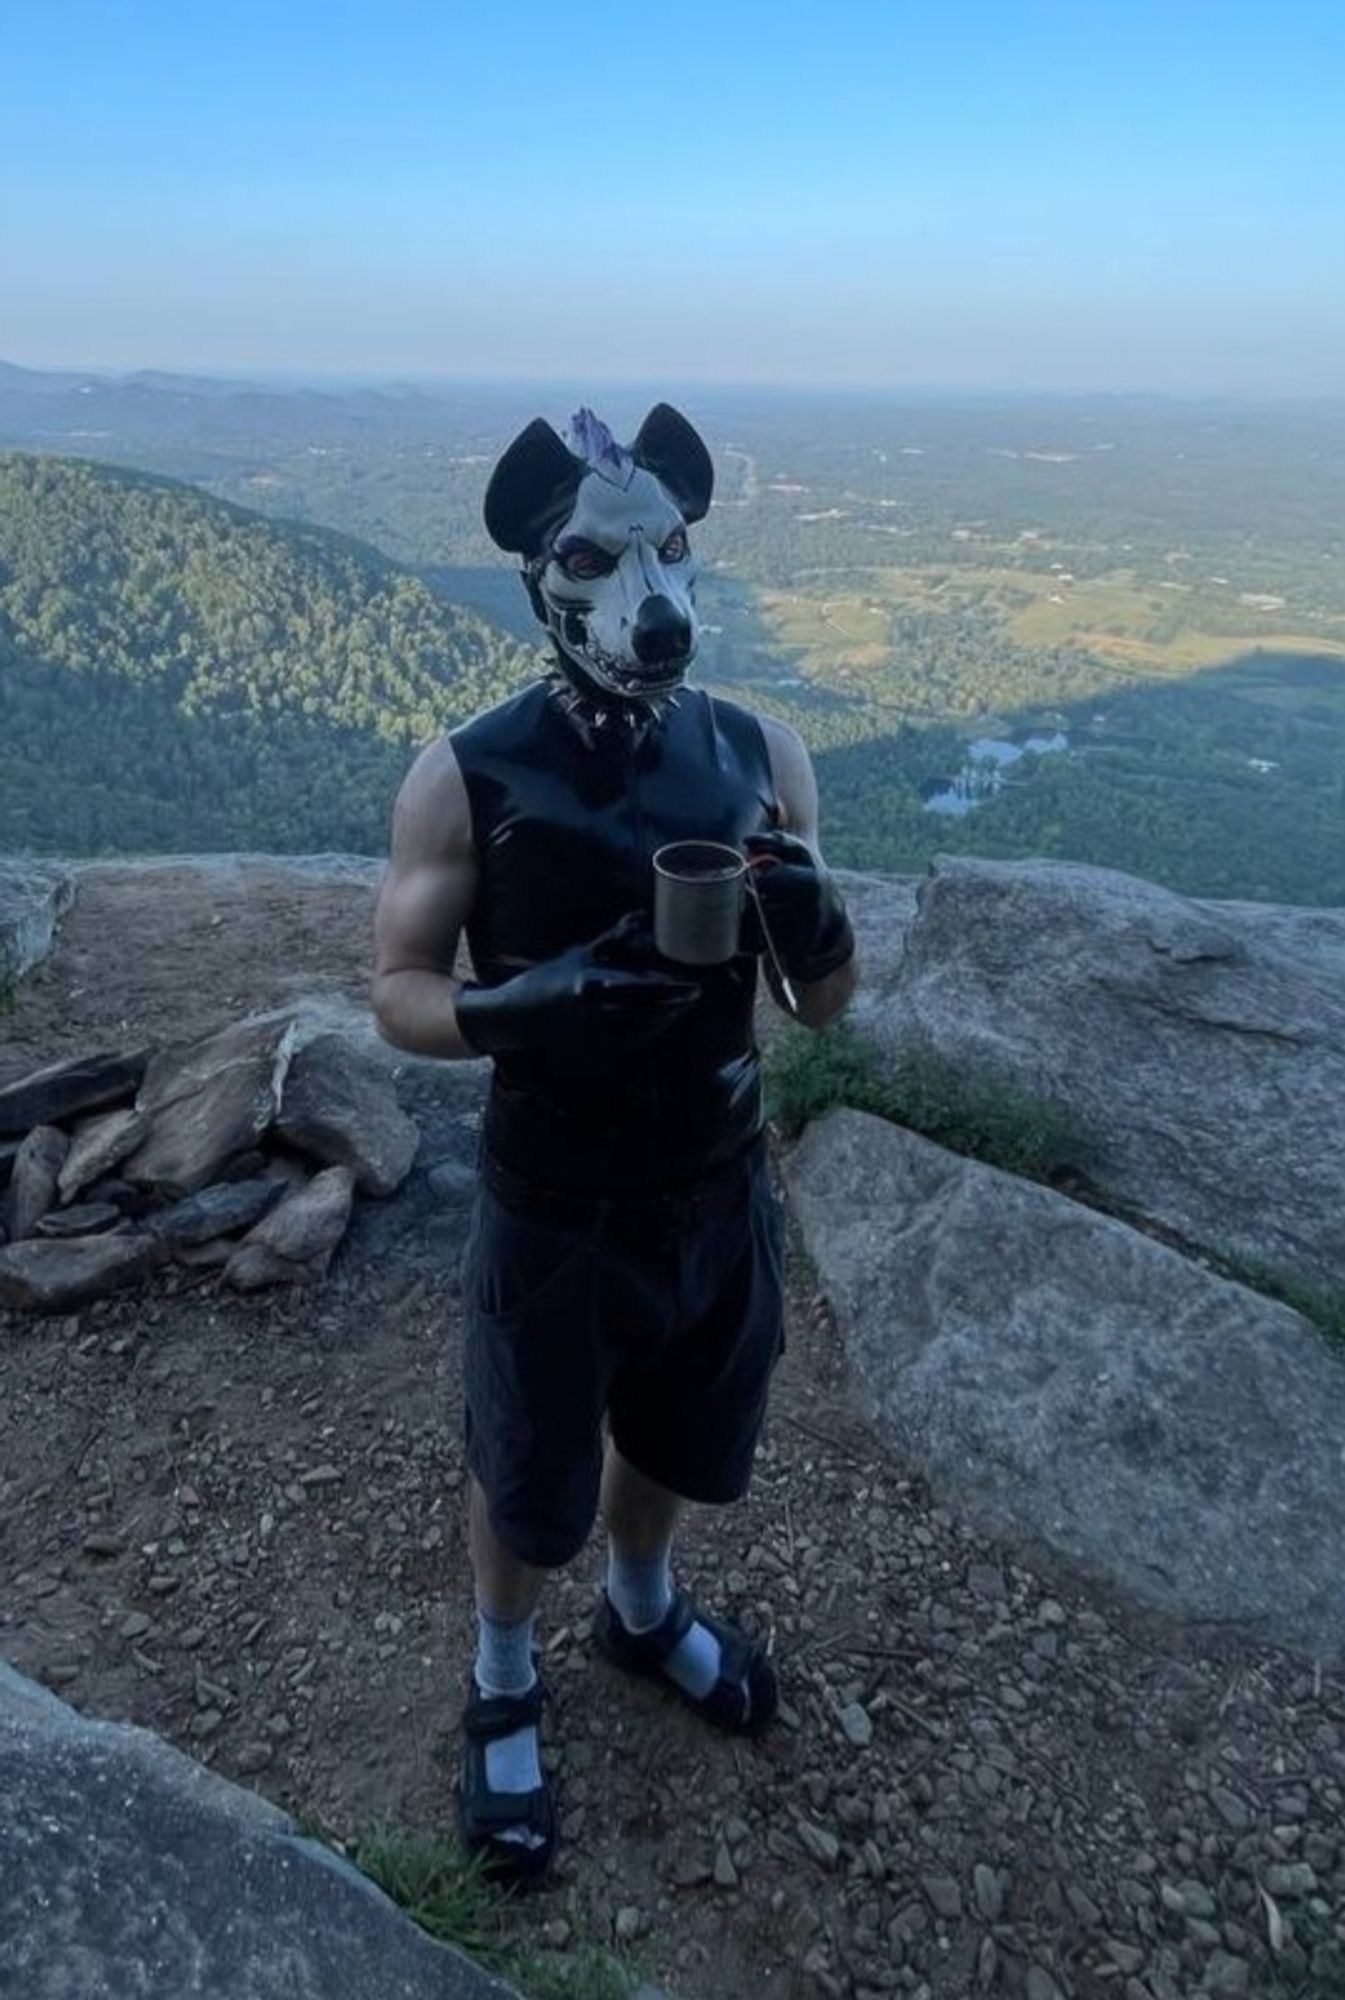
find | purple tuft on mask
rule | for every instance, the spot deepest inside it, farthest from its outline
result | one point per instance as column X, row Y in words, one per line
column 591, row 440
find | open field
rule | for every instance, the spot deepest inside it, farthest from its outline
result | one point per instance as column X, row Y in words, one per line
column 1140, row 625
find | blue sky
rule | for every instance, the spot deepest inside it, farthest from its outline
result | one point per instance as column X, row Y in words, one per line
column 988, row 196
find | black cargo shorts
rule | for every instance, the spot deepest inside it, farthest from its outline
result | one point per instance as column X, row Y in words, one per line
column 662, row 1314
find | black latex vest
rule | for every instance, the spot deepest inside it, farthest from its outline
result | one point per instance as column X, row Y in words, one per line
column 564, row 832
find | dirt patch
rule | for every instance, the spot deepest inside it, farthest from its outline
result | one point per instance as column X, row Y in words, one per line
column 166, row 952
column 238, row 1522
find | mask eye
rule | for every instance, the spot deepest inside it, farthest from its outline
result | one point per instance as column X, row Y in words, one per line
column 674, row 549
column 583, row 561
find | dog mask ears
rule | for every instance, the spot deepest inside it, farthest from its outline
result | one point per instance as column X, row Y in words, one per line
column 531, row 490
column 668, row 447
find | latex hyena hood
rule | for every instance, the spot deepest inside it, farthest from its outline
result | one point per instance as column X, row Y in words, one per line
column 602, row 530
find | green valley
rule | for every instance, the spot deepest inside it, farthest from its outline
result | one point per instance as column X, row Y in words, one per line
column 1156, row 588
column 177, row 672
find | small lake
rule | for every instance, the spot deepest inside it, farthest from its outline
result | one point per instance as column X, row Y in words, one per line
column 982, row 776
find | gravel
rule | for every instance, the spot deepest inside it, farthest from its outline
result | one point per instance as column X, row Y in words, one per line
column 1054, row 1795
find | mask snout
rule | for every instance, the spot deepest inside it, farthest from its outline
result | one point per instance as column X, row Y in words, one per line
column 662, row 635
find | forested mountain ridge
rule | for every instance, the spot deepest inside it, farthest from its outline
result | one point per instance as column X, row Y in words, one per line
column 175, row 670
column 115, row 572
column 1163, row 592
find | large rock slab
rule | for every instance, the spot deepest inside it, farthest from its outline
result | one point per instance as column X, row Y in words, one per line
column 209, row 1101
column 338, row 1108
column 294, row 1244
column 130, row 1873
column 50, row 1275
column 1057, row 1372
column 32, row 900
column 1200, row 1046
column 33, row 1181
column 65, row 1089
column 882, row 909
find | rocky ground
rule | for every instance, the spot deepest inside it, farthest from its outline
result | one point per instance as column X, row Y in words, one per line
column 238, row 1522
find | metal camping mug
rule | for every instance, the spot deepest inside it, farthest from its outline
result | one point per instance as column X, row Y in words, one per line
column 698, row 901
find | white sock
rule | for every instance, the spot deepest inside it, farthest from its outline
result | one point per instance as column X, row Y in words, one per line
column 504, row 1665
column 640, row 1589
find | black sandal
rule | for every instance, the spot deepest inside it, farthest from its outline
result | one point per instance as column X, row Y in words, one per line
column 485, row 1816
column 744, row 1698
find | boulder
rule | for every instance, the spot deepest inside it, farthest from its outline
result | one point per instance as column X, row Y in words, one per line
column 338, row 1109
column 99, row 1145
column 1200, row 1047
column 215, row 1211
column 87, row 1218
column 1057, row 1372
column 32, row 900
column 295, row 1242
column 62, row 1090
column 9, row 1151
column 882, row 910
column 207, row 1102
column 129, row 1872
column 51, row 1276
column 33, row 1180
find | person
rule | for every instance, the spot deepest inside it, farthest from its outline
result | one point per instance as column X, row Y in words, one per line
column 623, row 1266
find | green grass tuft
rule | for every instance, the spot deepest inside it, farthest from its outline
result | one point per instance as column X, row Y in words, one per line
column 1319, row 1302
column 447, row 1893
column 588, row 1972
column 968, row 1110
column 438, row 1886
column 1318, row 1974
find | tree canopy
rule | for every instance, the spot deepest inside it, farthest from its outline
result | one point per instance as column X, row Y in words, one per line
column 176, row 671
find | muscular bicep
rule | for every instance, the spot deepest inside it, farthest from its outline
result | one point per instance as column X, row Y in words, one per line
column 796, row 802
column 795, row 784
column 430, row 883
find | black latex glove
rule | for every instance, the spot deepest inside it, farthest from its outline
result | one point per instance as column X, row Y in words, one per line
column 593, row 1001
column 803, row 909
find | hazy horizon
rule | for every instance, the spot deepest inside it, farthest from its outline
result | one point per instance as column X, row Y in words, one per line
column 1010, row 202
column 576, row 387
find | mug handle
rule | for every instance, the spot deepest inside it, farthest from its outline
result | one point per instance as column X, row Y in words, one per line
column 782, row 980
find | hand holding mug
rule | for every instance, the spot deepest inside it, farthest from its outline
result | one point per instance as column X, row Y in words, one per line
column 800, row 906
column 593, row 1002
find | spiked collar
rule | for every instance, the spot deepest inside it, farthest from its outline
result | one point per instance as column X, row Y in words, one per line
column 596, row 721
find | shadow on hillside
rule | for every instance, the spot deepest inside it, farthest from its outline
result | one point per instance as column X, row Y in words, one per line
column 1227, row 782
column 94, row 766
column 495, row 591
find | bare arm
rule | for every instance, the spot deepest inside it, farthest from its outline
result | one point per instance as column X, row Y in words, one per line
column 425, row 899
column 796, row 796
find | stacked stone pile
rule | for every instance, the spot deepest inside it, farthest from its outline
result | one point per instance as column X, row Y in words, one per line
column 244, row 1151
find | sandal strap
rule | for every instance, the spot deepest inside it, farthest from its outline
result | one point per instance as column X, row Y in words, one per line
column 487, row 1718
column 730, row 1699
column 655, row 1645
column 743, row 1698
column 488, row 1814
